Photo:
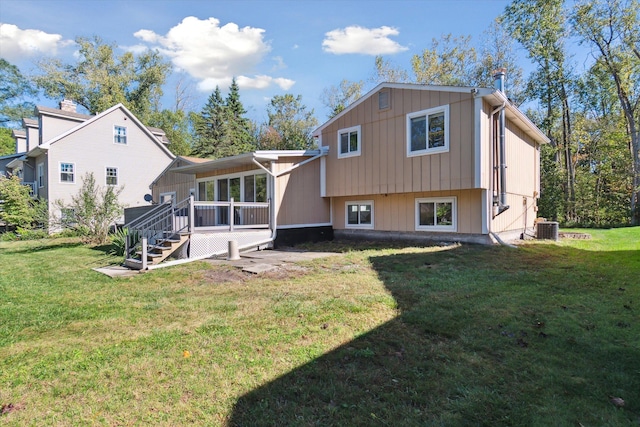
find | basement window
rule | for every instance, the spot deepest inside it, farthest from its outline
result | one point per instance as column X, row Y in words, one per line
column 359, row 214
column 436, row 214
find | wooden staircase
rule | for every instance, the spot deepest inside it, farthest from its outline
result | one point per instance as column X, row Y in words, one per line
column 158, row 251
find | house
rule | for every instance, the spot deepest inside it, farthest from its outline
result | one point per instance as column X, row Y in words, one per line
column 61, row 146
column 404, row 162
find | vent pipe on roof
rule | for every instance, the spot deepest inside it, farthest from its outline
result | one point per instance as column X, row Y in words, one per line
column 500, row 202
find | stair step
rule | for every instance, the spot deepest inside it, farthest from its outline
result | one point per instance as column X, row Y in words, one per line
column 168, row 240
column 149, row 254
column 158, row 247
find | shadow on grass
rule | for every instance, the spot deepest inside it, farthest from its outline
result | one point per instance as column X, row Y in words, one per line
column 485, row 336
column 41, row 246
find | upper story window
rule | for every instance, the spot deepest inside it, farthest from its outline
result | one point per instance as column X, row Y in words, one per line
column 112, row 176
column 67, row 173
column 119, row 134
column 349, row 142
column 428, row 131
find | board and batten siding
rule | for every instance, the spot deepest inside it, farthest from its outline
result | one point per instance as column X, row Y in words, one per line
column 522, row 182
column 92, row 149
column 383, row 166
column 397, row 212
column 298, row 194
column 181, row 183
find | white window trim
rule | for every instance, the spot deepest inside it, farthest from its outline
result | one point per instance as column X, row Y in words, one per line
column 115, row 134
column 168, row 193
column 75, row 172
column 40, row 167
column 240, row 175
column 358, row 130
column 358, row 202
column 427, row 113
column 454, row 214
column 106, row 175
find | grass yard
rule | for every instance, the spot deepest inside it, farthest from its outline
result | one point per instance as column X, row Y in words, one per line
column 546, row 334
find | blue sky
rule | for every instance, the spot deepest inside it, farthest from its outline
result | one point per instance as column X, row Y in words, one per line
column 271, row 47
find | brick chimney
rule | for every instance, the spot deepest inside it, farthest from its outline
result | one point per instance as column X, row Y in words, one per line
column 68, row 105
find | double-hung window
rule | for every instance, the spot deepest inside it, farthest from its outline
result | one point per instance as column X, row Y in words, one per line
column 349, row 142
column 40, row 175
column 67, row 173
column 428, row 131
column 119, row 134
column 436, row 214
column 112, row 176
column 359, row 214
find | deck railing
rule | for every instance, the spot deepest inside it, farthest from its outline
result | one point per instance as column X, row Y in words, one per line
column 216, row 215
column 189, row 215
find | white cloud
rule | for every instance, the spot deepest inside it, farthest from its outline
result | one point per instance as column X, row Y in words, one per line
column 214, row 54
column 257, row 82
column 18, row 44
column 367, row 41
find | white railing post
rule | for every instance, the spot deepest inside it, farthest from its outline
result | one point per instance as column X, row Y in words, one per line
column 143, row 257
column 231, row 214
column 192, row 214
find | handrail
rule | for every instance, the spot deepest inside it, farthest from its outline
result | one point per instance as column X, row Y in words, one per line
column 148, row 213
column 157, row 223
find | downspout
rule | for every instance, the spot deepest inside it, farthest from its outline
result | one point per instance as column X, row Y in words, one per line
column 500, row 205
column 274, row 176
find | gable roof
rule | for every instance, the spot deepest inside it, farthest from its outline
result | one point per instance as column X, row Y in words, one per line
column 493, row 96
column 56, row 112
column 46, row 145
column 186, row 159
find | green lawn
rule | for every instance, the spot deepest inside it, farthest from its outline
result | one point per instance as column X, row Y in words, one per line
column 542, row 335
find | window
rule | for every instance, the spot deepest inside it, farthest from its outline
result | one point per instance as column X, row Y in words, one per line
column 68, row 217
column 438, row 214
column 359, row 214
column 67, row 173
column 40, row 175
column 349, row 142
column 112, row 176
column 248, row 187
column 428, row 131
column 119, row 134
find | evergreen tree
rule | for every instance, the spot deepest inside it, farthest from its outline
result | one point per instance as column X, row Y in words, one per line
column 221, row 128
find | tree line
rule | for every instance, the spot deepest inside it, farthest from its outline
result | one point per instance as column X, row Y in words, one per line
column 590, row 170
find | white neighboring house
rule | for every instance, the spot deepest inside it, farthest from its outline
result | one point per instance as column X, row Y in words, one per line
column 63, row 146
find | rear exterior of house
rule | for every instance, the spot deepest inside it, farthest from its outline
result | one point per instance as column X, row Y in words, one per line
column 405, row 162
column 421, row 162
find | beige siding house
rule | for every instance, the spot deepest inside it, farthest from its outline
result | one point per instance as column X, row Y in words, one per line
column 427, row 162
column 64, row 146
column 404, row 162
